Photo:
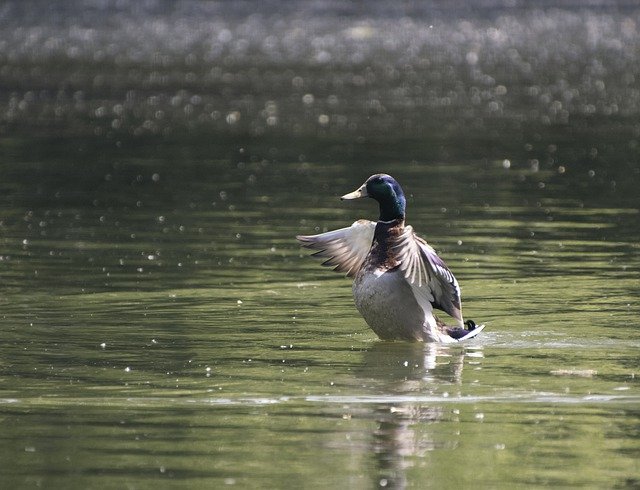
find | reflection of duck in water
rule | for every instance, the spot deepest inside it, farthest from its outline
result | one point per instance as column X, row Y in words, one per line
column 398, row 277
column 416, row 412
column 411, row 367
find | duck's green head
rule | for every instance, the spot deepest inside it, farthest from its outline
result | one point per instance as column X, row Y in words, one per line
column 384, row 189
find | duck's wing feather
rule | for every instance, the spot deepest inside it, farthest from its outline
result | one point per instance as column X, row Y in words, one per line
column 429, row 276
column 345, row 249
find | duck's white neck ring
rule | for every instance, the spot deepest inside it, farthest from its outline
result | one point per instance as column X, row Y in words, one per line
column 390, row 221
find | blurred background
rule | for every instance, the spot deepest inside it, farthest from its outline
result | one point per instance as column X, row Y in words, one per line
column 486, row 79
column 158, row 319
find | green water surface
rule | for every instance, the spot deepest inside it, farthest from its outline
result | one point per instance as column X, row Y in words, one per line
column 161, row 326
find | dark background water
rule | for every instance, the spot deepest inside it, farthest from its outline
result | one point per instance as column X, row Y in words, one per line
column 159, row 323
column 543, row 86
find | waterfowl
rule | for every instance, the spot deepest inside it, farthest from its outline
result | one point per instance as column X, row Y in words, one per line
column 398, row 279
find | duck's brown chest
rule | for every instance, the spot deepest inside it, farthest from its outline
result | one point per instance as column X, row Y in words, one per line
column 383, row 255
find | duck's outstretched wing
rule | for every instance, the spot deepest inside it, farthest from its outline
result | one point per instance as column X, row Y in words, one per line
column 429, row 276
column 345, row 249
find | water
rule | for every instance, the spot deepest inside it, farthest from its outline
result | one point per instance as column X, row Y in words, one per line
column 160, row 326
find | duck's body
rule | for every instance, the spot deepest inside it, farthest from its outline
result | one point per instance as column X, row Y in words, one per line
column 382, row 294
column 398, row 277
column 395, row 315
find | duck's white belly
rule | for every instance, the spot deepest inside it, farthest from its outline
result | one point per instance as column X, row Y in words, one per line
column 388, row 305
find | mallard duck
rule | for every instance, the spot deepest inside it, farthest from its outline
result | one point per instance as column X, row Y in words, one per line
column 398, row 279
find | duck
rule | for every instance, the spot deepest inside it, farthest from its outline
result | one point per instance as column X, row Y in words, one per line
column 398, row 278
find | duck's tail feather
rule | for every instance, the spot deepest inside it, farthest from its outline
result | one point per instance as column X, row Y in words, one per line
column 461, row 334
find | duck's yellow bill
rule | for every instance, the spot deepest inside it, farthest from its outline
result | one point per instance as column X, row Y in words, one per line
column 361, row 192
